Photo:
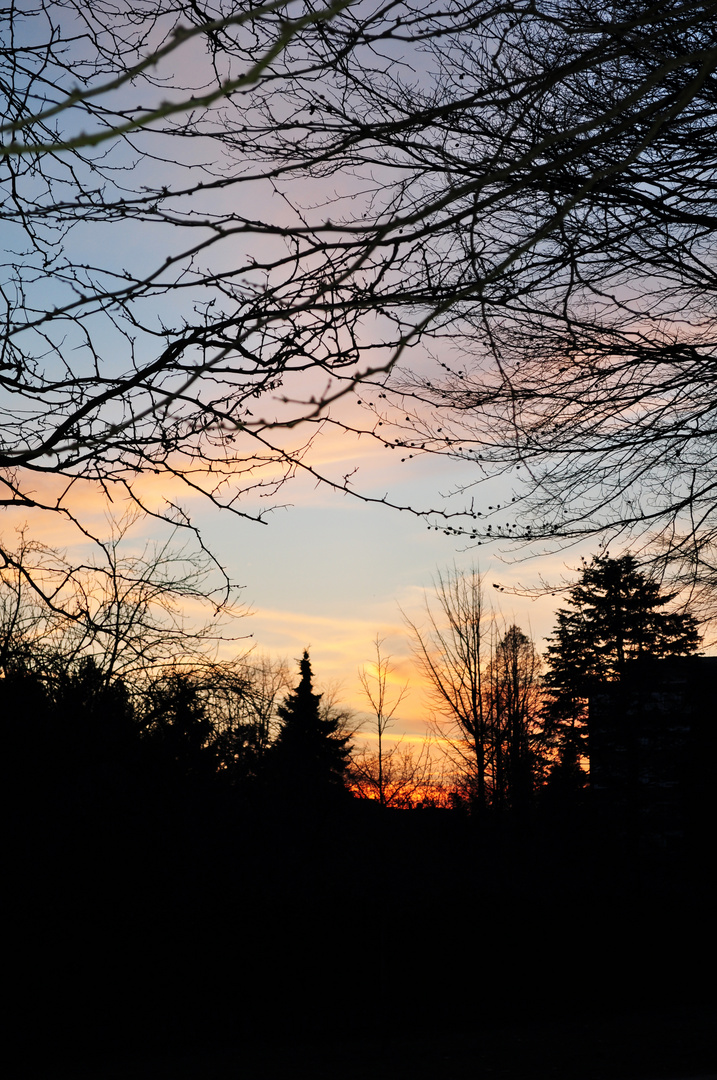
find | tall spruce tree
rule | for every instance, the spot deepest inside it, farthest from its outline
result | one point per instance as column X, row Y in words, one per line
column 615, row 615
column 309, row 757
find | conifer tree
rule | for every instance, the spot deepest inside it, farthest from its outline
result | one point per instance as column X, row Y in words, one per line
column 615, row 615
column 309, row 758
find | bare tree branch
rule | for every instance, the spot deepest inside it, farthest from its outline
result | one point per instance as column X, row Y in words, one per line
column 495, row 220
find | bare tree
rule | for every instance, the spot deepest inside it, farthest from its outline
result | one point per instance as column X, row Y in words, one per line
column 451, row 654
column 120, row 622
column 374, row 684
column 517, row 196
column 536, row 213
column 485, row 691
column 124, row 607
column 566, row 156
column 228, row 707
column 408, row 776
column 404, row 774
column 126, row 349
column 266, row 681
column 153, row 322
column 515, row 700
column 68, row 68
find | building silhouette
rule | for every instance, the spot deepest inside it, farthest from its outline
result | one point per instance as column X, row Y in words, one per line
column 653, row 750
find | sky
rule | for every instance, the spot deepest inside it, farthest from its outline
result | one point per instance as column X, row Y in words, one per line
column 330, row 573
column 326, row 571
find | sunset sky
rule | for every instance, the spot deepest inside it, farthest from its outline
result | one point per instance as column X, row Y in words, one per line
column 330, row 573
column 314, row 313
column 325, row 572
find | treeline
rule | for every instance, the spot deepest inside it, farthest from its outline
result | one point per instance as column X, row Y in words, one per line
column 189, row 865
column 516, row 722
column 121, row 682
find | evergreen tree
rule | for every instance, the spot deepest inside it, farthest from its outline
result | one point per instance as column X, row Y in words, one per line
column 309, row 758
column 615, row 615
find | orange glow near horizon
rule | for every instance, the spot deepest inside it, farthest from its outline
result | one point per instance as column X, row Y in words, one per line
column 328, row 573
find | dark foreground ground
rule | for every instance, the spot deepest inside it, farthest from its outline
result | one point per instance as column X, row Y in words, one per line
column 639, row 1046
column 355, row 946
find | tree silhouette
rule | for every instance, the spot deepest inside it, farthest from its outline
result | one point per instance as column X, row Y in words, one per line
column 452, row 655
column 375, row 689
column 541, row 197
column 484, row 692
column 565, row 155
column 514, row 699
column 92, row 96
column 176, row 721
column 309, row 758
column 615, row 615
